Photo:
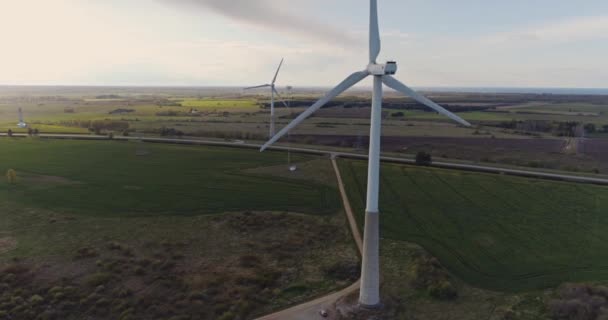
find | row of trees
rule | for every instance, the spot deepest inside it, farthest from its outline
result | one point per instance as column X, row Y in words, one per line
column 558, row 128
column 97, row 125
column 30, row 132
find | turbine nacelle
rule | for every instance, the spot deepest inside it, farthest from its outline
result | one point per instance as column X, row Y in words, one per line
column 378, row 69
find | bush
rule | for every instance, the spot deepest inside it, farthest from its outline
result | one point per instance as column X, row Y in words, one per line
column 423, row 159
column 443, row 290
column 11, row 176
column 36, row 300
column 227, row 316
column 431, row 276
column 343, row 271
column 249, row 261
column 579, row 301
column 98, row 279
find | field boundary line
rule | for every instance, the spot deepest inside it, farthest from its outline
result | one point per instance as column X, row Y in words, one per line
column 437, row 164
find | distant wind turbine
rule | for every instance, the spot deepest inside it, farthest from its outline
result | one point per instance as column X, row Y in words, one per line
column 273, row 91
column 21, row 123
column 369, row 295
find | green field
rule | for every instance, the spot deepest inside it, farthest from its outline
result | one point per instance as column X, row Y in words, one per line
column 560, row 108
column 91, row 230
column 221, row 105
column 493, row 231
column 110, row 179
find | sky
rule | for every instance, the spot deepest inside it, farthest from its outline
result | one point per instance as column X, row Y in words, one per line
column 437, row 43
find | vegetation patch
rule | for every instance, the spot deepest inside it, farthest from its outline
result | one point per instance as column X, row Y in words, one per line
column 7, row 244
column 85, row 177
column 242, row 266
column 580, row 302
column 493, row 231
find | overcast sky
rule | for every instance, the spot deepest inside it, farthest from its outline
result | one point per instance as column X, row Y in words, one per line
column 466, row 43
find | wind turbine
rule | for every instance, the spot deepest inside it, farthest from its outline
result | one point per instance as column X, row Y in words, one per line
column 369, row 295
column 273, row 91
column 21, row 123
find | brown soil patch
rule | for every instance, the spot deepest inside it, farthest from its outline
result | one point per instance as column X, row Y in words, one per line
column 7, row 244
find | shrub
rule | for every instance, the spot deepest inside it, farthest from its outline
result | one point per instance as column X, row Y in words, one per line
column 228, row 315
column 98, row 279
column 84, row 253
column 11, row 176
column 36, row 299
column 249, row 261
column 443, row 290
column 423, row 159
column 431, row 276
column 343, row 271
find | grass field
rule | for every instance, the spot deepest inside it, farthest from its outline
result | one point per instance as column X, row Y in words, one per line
column 109, row 179
column 221, row 105
column 93, row 231
column 560, row 108
column 493, row 231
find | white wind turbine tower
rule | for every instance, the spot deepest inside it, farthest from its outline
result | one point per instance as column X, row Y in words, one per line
column 273, row 92
column 382, row 74
column 21, row 123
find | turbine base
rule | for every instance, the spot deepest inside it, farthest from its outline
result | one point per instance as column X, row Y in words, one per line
column 375, row 307
column 369, row 293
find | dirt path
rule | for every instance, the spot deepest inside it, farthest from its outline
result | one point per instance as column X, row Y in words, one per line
column 349, row 210
column 310, row 310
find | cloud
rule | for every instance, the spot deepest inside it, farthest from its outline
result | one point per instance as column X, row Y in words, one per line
column 273, row 16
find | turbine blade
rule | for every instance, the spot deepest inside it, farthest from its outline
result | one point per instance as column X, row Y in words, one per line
column 260, row 86
column 398, row 86
column 374, row 32
column 280, row 97
column 352, row 80
column 277, row 74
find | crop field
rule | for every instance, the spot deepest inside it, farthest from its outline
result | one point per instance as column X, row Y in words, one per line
column 92, row 230
column 110, row 178
column 560, row 108
column 493, row 231
column 221, row 105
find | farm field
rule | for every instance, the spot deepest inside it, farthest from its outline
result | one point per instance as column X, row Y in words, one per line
column 93, row 231
column 496, row 232
column 123, row 182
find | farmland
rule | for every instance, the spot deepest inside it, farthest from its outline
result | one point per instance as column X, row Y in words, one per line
column 92, row 230
column 527, row 130
column 496, row 232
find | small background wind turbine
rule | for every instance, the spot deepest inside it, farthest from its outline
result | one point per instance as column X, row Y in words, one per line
column 273, row 92
column 369, row 295
column 21, row 123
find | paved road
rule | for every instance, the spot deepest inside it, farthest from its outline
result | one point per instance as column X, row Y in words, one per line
column 439, row 164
